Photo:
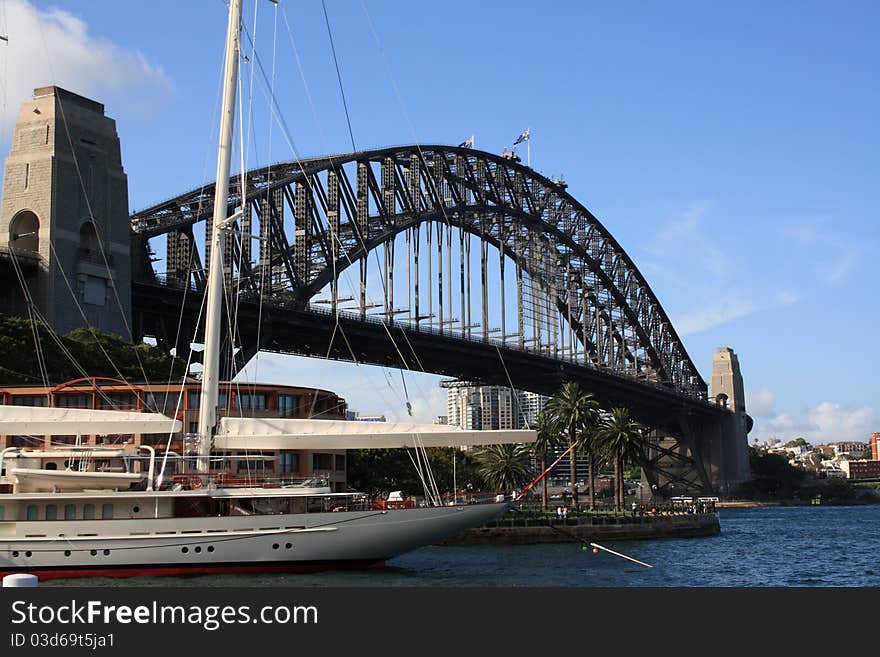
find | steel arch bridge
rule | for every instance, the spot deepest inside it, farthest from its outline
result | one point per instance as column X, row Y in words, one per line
column 494, row 261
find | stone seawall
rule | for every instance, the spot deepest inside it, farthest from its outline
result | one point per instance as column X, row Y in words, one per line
column 519, row 531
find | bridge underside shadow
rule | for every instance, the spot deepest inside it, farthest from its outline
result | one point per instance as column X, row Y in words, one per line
column 684, row 452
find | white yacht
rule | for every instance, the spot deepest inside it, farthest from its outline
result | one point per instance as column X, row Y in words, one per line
column 83, row 510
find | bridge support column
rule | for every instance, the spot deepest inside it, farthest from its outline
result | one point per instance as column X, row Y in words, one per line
column 65, row 213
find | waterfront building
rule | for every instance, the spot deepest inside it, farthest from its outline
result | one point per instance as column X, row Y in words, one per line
column 181, row 401
column 875, row 446
column 862, row 469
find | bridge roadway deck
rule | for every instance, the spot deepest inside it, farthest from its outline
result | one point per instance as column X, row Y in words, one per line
column 308, row 333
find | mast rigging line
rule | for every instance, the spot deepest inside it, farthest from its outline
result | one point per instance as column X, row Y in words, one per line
column 307, row 182
column 338, row 75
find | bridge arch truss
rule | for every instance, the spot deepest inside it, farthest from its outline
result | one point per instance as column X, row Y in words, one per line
column 516, row 257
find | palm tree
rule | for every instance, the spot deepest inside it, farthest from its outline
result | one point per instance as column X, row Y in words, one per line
column 549, row 433
column 576, row 412
column 620, row 440
column 503, row 467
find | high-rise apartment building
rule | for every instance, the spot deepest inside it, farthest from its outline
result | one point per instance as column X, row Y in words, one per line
column 471, row 406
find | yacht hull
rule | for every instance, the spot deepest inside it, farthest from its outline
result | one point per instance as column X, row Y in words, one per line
column 238, row 544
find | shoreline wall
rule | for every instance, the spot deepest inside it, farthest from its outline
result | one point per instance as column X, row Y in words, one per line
column 515, row 531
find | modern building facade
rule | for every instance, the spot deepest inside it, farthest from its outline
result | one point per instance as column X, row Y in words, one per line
column 181, row 401
column 480, row 407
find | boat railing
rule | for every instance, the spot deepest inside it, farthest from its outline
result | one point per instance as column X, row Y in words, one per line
column 196, row 480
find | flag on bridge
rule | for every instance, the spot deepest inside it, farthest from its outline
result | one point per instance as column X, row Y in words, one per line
column 524, row 136
column 467, row 143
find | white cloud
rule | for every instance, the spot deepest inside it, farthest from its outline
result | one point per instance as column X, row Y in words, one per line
column 53, row 46
column 759, row 403
column 788, row 297
column 838, row 270
column 825, row 422
column 833, row 422
column 707, row 317
column 834, row 257
column 686, row 253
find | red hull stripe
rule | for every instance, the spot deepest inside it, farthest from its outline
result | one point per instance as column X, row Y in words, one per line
column 178, row 570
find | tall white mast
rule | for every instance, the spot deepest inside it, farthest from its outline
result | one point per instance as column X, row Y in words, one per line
column 211, row 371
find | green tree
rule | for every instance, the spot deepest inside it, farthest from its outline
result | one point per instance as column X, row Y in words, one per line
column 79, row 353
column 549, row 435
column 378, row 471
column 773, row 476
column 576, row 411
column 503, row 467
column 619, row 439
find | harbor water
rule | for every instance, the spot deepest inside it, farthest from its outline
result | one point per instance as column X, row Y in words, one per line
column 765, row 546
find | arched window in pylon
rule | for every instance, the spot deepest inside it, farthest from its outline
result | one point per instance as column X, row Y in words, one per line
column 721, row 400
column 24, row 232
column 89, row 244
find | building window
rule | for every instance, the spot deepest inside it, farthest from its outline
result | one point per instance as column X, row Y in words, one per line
column 251, row 402
column 74, row 401
column 32, row 512
column 340, row 461
column 288, row 462
column 195, row 400
column 51, row 512
column 322, row 461
column 288, row 406
column 2, row 512
column 88, row 511
column 119, row 401
column 70, row 511
column 107, row 512
column 154, row 439
column 29, row 400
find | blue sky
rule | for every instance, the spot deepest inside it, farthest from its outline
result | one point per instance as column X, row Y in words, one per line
column 730, row 149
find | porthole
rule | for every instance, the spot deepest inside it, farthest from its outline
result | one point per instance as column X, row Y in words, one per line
column 275, row 546
column 184, row 550
column 106, row 553
column 93, row 552
column 67, row 553
column 28, row 553
column 198, row 549
column 210, row 548
column 288, row 545
column 15, row 553
column 135, row 509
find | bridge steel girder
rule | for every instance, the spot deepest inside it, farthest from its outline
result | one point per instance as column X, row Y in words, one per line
column 674, row 456
column 340, row 209
column 389, row 190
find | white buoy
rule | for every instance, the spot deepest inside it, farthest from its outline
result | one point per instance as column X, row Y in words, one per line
column 20, row 581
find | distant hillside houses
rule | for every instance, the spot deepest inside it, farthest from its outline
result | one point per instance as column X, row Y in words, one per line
column 843, row 460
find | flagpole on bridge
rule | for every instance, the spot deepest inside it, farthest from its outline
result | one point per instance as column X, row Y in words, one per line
column 529, row 148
